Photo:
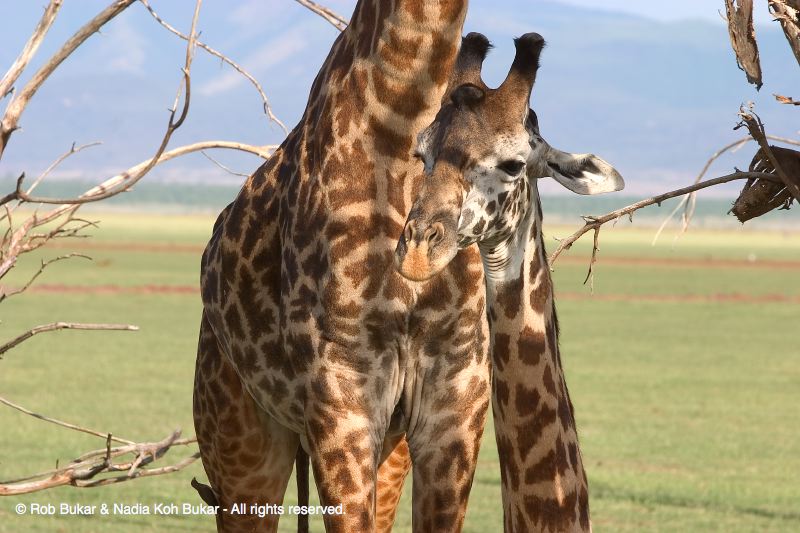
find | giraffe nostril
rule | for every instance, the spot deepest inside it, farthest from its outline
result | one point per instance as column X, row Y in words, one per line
column 434, row 234
column 408, row 232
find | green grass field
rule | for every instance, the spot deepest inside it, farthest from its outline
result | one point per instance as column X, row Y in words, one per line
column 683, row 368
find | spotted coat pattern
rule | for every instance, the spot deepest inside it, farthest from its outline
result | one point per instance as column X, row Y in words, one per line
column 483, row 156
column 309, row 336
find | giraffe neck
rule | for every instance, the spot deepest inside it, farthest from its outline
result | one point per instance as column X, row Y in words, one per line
column 543, row 482
column 387, row 72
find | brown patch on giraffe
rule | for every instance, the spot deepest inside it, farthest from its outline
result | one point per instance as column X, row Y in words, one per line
column 442, row 59
column 502, row 394
column 416, row 9
column 540, row 295
column 501, row 350
column 509, row 471
column 550, row 514
column 530, row 346
column 399, row 52
column 547, row 380
column 350, row 169
column 405, row 101
column 509, row 294
column 395, row 194
column 388, row 142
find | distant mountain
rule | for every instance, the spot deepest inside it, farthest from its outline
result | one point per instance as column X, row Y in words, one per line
column 653, row 98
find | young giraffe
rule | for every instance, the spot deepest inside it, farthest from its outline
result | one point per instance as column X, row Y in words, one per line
column 309, row 336
column 483, row 154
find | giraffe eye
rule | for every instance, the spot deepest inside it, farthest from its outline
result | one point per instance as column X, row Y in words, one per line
column 512, row 167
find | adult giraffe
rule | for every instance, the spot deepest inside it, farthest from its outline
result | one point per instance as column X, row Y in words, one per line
column 483, row 154
column 309, row 336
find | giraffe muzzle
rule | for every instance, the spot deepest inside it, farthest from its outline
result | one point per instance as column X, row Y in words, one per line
column 423, row 250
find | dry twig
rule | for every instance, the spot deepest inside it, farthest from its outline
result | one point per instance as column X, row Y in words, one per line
column 223, row 167
column 20, row 100
column 688, row 202
column 238, row 68
column 55, row 326
column 125, row 180
column 30, row 48
column 85, row 471
column 593, row 223
column 336, row 20
column 13, row 292
column 61, row 422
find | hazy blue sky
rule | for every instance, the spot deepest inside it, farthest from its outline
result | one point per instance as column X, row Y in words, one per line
column 672, row 10
column 652, row 89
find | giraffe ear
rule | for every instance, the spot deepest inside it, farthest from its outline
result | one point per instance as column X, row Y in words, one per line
column 467, row 96
column 583, row 173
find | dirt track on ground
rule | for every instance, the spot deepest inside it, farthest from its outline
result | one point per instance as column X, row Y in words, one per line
column 568, row 296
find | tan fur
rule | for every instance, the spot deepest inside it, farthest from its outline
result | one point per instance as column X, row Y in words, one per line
column 310, row 336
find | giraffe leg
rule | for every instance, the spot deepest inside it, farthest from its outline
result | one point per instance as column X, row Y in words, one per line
column 247, row 455
column 392, row 473
column 444, row 454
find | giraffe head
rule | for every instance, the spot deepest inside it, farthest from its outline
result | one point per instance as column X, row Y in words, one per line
column 482, row 154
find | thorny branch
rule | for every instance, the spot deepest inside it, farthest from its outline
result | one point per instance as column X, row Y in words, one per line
column 595, row 223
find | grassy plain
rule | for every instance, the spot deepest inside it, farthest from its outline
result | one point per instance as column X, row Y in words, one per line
column 683, row 368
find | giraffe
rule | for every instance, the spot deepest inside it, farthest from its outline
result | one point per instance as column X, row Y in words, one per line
column 483, row 155
column 310, row 341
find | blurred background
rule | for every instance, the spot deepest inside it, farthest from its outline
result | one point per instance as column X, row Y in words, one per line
column 682, row 361
column 653, row 88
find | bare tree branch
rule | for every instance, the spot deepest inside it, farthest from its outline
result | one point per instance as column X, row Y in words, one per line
column 688, row 201
column 30, row 48
column 788, row 13
column 224, row 58
column 73, row 150
column 336, row 20
column 17, row 105
column 753, row 123
column 55, row 326
column 13, row 292
column 743, row 38
column 84, row 471
column 61, row 422
column 124, row 180
column 223, row 167
column 594, row 223
column 172, row 125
